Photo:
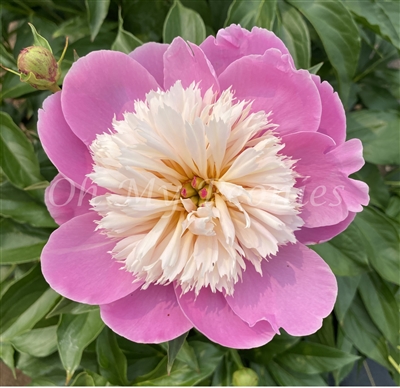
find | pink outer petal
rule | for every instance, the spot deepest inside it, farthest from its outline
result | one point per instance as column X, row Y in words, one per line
column 65, row 201
column 311, row 236
column 76, row 263
column 296, row 291
column 333, row 118
column 150, row 56
column 186, row 62
column 99, row 86
column 329, row 195
column 147, row 316
column 64, row 149
column 274, row 85
column 209, row 312
column 235, row 42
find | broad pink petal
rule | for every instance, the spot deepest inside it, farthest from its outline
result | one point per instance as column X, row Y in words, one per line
column 333, row 118
column 210, row 314
column 186, row 62
column 99, row 86
column 235, row 42
column 77, row 264
column 329, row 195
column 274, row 85
column 296, row 291
column 66, row 151
column 319, row 235
column 147, row 316
column 65, row 201
column 150, row 56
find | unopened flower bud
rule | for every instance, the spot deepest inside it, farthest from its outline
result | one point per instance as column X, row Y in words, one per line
column 198, row 183
column 245, row 377
column 38, row 67
column 206, row 192
column 187, row 190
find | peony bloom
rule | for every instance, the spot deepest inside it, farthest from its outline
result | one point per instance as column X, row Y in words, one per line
column 191, row 178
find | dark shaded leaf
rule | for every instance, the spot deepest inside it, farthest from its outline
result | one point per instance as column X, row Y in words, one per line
column 96, row 12
column 125, row 41
column 347, row 288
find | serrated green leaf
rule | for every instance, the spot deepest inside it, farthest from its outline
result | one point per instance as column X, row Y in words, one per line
column 125, row 41
column 339, row 35
column 260, row 13
column 96, row 13
column 381, row 306
column 112, row 361
column 66, row 306
column 382, row 240
column 313, row 358
column 37, row 342
column 74, row 334
column 379, row 133
column 293, row 30
column 183, row 22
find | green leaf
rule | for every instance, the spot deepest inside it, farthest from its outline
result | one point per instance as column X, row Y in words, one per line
column 372, row 15
column 173, row 348
column 382, row 240
column 293, row 30
column 37, row 342
column 83, row 380
column 248, row 14
column 377, row 97
column 38, row 40
column 345, row 345
column 183, row 22
column 347, row 288
column 96, row 12
column 125, row 41
column 208, row 357
column 24, row 304
column 224, row 372
column 20, row 243
column 19, row 206
column 315, row 69
column 379, row 133
column 362, row 332
column 13, row 88
column 74, row 334
column 393, row 208
column 313, row 358
column 326, row 334
column 7, row 356
column 284, row 376
column 346, row 253
column 339, row 35
column 112, row 361
column 18, row 159
column 381, row 306
column 66, row 306
column 265, row 378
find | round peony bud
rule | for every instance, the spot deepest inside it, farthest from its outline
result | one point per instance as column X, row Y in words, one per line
column 38, row 67
column 245, row 377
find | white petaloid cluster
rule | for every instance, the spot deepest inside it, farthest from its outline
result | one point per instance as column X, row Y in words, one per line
column 163, row 236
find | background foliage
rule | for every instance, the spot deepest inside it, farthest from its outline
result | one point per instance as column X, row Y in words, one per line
column 354, row 44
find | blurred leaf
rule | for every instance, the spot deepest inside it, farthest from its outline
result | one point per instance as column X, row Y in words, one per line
column 339, row 35
column 345, row 345
column 96, row 11
column 293, row 30
column 382, row 241
column 373, row 16
column 74, row 334
column 12, row 87
column 19, row 206
column 125, row 41
column 183, row 22
column 381, row 306
column 347, row 288
column 224, row 371
column 111, row 359
column 6, row 58
column 18, row 159
column 173, row 348
column 362, row 332
column 208, row 357
column 377, row 97
column 219, row 12
column 379, row 133
column 84, row 46
column 7, row 356
column 66, row 306
column 346, row 253
column 75, row 28
column 326, row 334
column 285, row 376
column 393, row 209
column 201, row 7
column 83, row 380
column 20, row 243
column 24, row 304
column 37, row 342
column 248, row 14
column 265, row 378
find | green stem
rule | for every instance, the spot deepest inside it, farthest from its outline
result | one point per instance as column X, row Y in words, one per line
column 54, row 88
column 236, row 358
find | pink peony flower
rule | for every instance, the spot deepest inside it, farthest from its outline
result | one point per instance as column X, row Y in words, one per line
column 191, row 178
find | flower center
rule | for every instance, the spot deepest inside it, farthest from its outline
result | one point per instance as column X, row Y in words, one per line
column 196, row 189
